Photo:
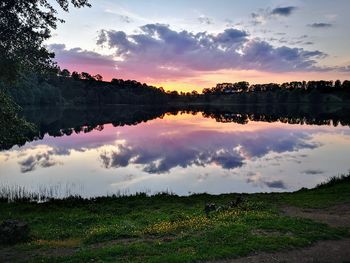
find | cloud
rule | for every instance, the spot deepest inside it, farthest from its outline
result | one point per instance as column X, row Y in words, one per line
column 80, row 56
column 28, row 164
column 344, row 68
column 205, row 20
column 43, row 160
column 231, row 23
column 283, row 11
column 125, row 19
column 313, row 172
column 320, row 25
column 117, row 159
column 83, row 60
column 228, row 150
column 262, row 16
column 256, row 179
column 301, row 40
column 159, row 52
column 263, row 56
column 276, row 184
column 155, row 161
column 202, row 177
column 258, row 18
column 230, row 36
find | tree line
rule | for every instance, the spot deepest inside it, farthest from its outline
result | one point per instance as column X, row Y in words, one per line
column 245, row 87
column 62, row 121
column 65, row 88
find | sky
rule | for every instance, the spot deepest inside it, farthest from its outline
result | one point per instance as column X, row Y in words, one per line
column 189, row 45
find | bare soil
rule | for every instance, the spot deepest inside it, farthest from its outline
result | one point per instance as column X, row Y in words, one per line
column 335, row 216
column 323, row 251
column 10, row 255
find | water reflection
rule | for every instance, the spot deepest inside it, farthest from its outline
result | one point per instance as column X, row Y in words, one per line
column 158, row 151
column 197, row 150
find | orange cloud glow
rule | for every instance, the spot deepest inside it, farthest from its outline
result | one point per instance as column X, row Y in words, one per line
column 210, row 79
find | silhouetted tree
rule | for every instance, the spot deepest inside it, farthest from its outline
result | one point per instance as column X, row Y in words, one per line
column 116, row 81
column 13, row 129
column 337, row 84
column 241, row 86
column 173, row 94
column 87, row 76
column 76, row 75
column 346, row 85
column 64, row 73
column 98, row 77
column 206, row 91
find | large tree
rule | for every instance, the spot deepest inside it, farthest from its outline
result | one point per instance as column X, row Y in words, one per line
column 24, row 26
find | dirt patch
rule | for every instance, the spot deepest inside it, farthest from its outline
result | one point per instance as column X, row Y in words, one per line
column 112, row 242
column 9, row 255
column 131, row 240
column 335, row 216
column 264, row 232
column 57, row 252
column 323, row 251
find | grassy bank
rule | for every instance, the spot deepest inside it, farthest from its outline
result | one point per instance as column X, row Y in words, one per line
column 168, row 228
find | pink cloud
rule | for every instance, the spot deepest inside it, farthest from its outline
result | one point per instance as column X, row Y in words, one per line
column 77, row 59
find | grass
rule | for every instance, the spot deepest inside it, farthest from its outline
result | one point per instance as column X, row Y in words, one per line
column 331, row 192
column 170, row 228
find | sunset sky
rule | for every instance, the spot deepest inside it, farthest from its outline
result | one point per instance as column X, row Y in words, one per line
column 194, row 44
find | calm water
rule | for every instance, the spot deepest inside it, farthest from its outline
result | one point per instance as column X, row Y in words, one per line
column 136, row 150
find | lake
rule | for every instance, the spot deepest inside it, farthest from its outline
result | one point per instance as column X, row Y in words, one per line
column 124, row 150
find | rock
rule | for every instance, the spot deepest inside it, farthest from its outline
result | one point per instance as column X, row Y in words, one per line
column 236, row 202
column 209, row 207
column 221, row 208
column 13, row 231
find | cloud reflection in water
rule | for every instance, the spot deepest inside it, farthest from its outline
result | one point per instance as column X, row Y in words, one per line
column 227, row 150
column 183, row 153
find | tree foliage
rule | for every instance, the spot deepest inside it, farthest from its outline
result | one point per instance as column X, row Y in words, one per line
column 244, row 87
column 24, row 26
column 13, row 129
column 82, row 89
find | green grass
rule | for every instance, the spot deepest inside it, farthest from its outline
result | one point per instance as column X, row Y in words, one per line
column 334, row 191
column 169, row 228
